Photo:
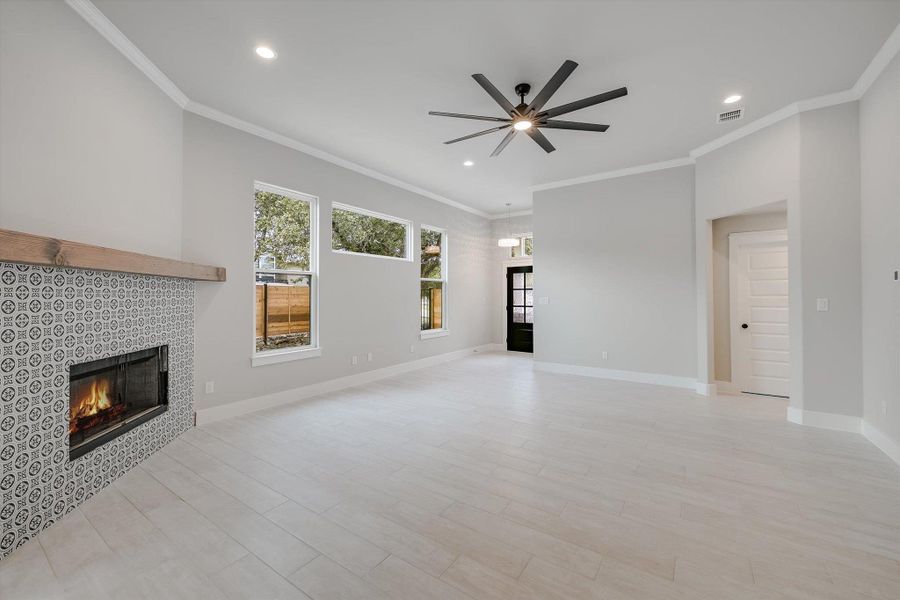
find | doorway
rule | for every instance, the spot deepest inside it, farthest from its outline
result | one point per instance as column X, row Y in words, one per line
column 520, row 308
column 760, row 347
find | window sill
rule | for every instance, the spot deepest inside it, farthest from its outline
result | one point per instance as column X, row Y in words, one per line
column 433, row 333
column 279, row 356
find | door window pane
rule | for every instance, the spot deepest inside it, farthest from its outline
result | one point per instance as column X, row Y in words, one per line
column 518, row 297
column 518, row 314
column 529, row 315
column 529, row 280
column 518, row 280
column 529, row 297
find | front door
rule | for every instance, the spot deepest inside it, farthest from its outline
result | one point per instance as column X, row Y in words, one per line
column 759, row 311
column 520, row 309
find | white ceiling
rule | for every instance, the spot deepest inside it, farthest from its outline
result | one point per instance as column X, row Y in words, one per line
column 356, row 79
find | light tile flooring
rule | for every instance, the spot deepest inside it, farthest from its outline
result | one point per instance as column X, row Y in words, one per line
column 482, row 479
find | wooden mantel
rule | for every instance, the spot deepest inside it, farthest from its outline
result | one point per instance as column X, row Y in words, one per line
column 19, row 247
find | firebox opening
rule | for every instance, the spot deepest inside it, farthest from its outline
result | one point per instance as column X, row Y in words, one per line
column 110, row 396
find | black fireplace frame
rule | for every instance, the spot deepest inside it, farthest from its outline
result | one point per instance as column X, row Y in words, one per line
column 119, row 363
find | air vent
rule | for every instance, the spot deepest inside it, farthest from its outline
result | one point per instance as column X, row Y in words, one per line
column 730, row 115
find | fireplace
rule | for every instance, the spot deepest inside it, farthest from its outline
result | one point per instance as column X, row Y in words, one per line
column 110, row 396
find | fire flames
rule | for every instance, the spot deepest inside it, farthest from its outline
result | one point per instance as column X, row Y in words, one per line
column 96, row 399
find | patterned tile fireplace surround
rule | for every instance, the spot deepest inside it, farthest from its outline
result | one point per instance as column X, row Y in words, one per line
column 50, row 319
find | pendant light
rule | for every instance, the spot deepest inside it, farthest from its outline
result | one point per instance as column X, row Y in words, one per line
column 508, row 242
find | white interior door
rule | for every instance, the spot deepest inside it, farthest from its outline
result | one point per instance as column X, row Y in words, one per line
column 760, row 348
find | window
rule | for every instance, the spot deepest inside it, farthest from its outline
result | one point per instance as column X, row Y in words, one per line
column 285, row 269
column 525, row 247
column 358, row 231
column 433, row 282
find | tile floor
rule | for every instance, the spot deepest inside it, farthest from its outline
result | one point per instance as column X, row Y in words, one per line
column 482, row 479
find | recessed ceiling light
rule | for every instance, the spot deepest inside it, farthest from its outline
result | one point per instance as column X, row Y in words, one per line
column 732, row 99
column 265, row 52
column 522, row 125
column 468, row 163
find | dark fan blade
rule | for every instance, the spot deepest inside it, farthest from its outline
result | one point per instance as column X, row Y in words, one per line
column 557, row 80
column 473, row 135
column 542, row 141
column 506, row 140
column 499, row 98
column 584, row 103
column 462, row 116
column 573, row 125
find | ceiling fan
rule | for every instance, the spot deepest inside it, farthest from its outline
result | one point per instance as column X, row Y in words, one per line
column 529, row 117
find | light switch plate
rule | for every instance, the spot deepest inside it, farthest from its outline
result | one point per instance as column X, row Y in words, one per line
column 210, row 387
column 822, row 304
column 543, row 300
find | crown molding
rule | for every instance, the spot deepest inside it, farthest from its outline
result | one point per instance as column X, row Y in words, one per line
column 515, row 213
column 90, row 13
column 267, row 134
column 657, row 166
column 879, row 63
column 114, row 36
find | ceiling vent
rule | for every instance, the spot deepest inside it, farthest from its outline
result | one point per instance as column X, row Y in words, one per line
column 730, row 115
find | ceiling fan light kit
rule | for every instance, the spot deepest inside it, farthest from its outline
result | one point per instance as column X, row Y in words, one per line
column 530, row 118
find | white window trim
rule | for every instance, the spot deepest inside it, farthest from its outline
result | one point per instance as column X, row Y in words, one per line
column 444, row 330
column 270, row 357
column 407, row 224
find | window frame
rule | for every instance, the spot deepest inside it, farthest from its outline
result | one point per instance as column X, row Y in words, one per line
column 444, row 329
column 407, row 224
column 269, row 357
column 521, row 237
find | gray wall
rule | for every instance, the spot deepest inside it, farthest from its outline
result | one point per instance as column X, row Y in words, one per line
column 500, row 228
column 366, row 304
column 757, row 170
column 811, row 161
column 721, row 229
column 616, row 260
column 830, row 256
column 90, row 148
column 879, row 121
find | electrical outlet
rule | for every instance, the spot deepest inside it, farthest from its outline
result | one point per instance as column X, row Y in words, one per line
column 354, row 359
column 369, row 357
column 605, row 355
column 822, row 304
column 210, row 387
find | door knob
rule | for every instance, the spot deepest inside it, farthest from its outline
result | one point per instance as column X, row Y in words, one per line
column 744, row 326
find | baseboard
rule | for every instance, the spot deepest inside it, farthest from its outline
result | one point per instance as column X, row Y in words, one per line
column 882, row 441
column 707, row 389
column 242, row 407
column 824, row 420
column 634, row 376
